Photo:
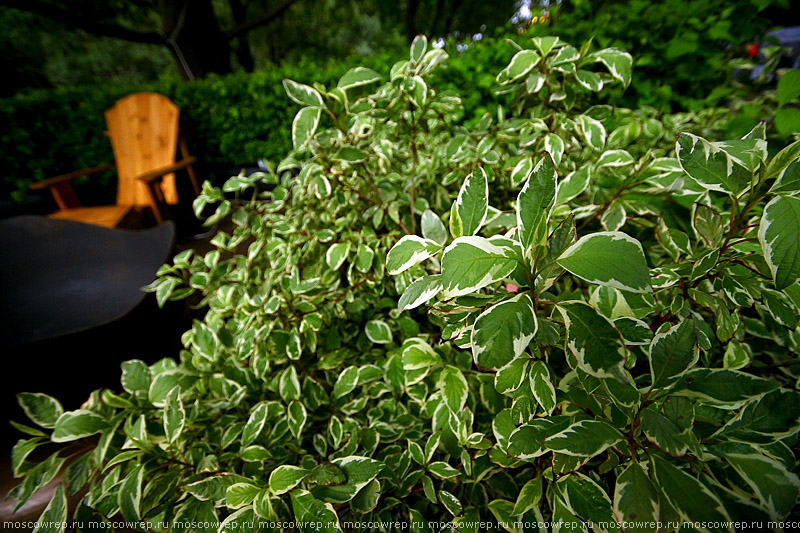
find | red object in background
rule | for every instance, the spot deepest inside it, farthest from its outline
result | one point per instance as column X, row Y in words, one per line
column 752, row 50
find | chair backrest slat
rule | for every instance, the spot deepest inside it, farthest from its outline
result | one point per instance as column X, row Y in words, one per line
column 143, row 129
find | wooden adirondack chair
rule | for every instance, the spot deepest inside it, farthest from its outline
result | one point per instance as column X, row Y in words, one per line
column 143, row 129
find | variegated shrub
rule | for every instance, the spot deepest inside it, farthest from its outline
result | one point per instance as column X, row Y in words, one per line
column 611, row 330
column 640, row 370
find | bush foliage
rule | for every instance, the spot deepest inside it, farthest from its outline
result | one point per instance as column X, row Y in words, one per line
column 556, row 313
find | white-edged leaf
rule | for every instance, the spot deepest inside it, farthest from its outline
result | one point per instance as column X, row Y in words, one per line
column 608, row 258
column 471, row 263
column 433, row 227
column 586, row 438
column 534, row 203
column 378, row 332
column 409, row 251
column 593, row 340
column 636, row 499
column 174, row 415
column 285, row 478
column 779, row 235
column 471, row 206
column 618, row 63
column 454, row 388
column 522, row 63
column 358, row 76
column 303, row 94
column 420, row 292
column 304, row 125
column 336, row 254
column 502, row 332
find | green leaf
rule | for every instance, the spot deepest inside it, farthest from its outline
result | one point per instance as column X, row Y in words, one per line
column 351, row 154
column 309, row 510
column 529, row 496
column 589, row 80
column 776, row 487
column 418, row 354
column 360, row 471
column 533, row 205
column 636, row 500
column 785, row 168
column 442, row 470
column 586, row 499
column 285, row 478
column 664, row 433
column 511, row 377
column 633, row 331
column 135, row 376
column 54, row 517
column 712, row 166
column 130, row 495
column 775, row 415
column 433, row 228
column 420, row 292
column 672, row 353
column 779, row 235
column 608, row 258
column 586, row 438
column 304, row 125
column 74, row 425
column 522, row 63
column 593, row 131
column 289, row 384
column 526, row 442
column 378, row 332
column 214, row 488
column 336, row 254
column 614, row 158
column 240, row 494
column 302, row 94
column 542, row 386
column 593, row 340
column 418, row 47
column 40, row 408
column 709, row 224
column 789, row 86
column 554, row 145
column 346, row 382
column 174, row 415
column 502, row 332
column 451, row 503
column 574, row 184
column 409, row 251
column 469, row 211
column 454, row 388
column 255, row 423
column 297, row 418
column 691, row 498
column 167, row 380
column 358, row 76
column 22, row 449
column 618, row 63
column 724, row 386
column 471, row 263
column 367, row 498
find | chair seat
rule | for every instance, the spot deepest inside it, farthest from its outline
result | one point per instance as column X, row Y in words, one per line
column 109, row 216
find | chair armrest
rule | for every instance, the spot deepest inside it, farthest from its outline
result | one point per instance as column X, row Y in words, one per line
column 157, row 174
column 52, row 182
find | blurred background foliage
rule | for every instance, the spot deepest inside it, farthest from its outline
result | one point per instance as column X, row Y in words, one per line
column 222, row 61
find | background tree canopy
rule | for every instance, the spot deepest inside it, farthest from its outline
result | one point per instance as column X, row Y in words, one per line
column 78, row 42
